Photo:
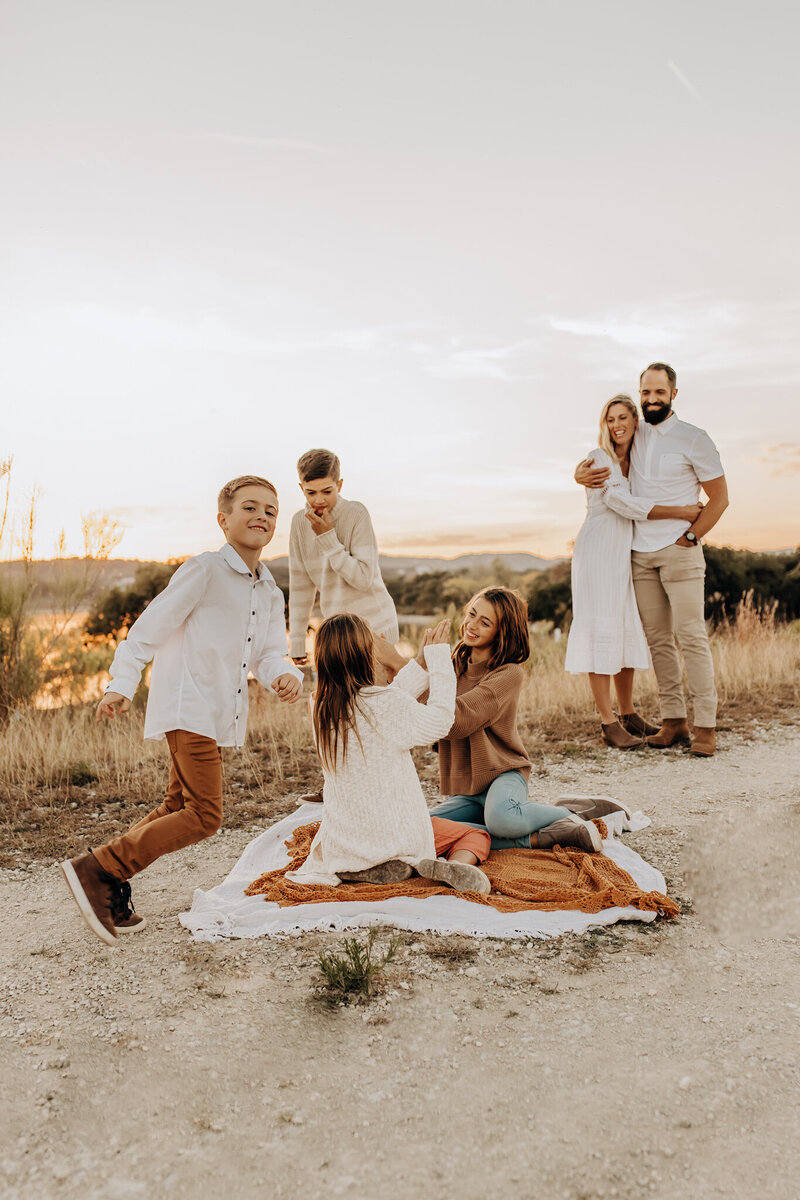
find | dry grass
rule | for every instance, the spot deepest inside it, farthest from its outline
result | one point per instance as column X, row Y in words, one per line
column 66, row 782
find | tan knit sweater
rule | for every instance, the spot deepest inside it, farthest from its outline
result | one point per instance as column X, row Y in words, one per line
column 342, row 565
column 484, row 740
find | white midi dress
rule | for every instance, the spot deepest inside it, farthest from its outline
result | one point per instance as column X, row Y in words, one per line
column 606, row 633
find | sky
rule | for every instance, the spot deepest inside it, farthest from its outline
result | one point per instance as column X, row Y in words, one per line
column 433, row 236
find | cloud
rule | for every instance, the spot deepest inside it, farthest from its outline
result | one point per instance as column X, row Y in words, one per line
column 679, row 75
column 269, row 143
column 494, row 362
column 783, row 458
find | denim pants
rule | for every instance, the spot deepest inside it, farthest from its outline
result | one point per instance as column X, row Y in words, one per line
column 504, row 809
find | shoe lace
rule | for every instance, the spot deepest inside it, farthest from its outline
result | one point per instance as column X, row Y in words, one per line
column 122, row 902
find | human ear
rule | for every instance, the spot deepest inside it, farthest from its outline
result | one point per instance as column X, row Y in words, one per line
column 222, row 520
column 339, row 484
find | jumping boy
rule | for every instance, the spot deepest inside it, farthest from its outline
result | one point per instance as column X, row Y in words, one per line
column 332, row 550
column 220, row 616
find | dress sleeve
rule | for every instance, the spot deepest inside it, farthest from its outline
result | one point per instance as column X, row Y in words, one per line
column 415, row 724
column 165, row 613
column 615, row 495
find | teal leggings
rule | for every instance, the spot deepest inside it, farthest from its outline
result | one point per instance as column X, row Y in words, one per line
column 503, row 809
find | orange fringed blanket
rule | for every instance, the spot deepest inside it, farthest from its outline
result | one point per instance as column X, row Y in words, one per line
column 521, row 879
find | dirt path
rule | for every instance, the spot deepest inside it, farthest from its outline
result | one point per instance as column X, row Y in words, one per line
column 644, row 1061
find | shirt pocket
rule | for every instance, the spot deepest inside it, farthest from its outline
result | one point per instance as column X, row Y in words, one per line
column 672, row 465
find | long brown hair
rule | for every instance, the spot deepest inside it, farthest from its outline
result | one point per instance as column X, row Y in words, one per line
column 511, row 643
column 345, row 665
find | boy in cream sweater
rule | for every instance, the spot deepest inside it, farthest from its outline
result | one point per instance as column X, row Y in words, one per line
column 333, row 552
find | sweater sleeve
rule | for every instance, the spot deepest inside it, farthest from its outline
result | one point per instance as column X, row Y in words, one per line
column 165, row 613
column 272, row 660
column 358, row 563
column 416, row 724
column 482, row 705
column 302, row 591
column 411, row 679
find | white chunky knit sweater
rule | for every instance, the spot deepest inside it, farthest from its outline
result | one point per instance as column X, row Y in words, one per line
column 342, row 565
column 374, row 808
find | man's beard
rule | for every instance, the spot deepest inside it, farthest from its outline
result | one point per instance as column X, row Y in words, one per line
column 654, row 416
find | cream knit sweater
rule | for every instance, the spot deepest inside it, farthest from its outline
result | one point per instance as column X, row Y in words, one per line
column 374, row 807
column 342, row 565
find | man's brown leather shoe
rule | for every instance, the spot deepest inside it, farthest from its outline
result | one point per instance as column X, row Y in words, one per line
column 673, row 729
column 704, row 742
column 95, row 894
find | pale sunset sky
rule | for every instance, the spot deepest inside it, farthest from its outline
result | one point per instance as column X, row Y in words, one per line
column 434, row 236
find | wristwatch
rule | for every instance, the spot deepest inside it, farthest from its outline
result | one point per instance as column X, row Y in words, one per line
column 691, row 537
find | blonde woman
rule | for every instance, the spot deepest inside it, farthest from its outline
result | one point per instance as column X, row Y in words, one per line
column 606, row 638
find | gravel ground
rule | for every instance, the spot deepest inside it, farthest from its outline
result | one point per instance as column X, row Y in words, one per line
column 640, row 1061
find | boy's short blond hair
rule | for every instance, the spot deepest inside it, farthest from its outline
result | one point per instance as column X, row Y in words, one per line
column 225, row 497
column 318, row 464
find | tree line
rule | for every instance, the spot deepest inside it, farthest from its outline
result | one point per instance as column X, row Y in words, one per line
column 772, row 579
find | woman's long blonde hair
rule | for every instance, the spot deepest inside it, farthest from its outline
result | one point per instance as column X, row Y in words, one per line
column 345, row 664
column 605, row 441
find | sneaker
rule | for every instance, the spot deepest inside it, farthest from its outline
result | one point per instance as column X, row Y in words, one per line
column 462, row 877
column 126, row 918
column 590, row 807
column 94, row 891
column 571, row 831
column 393, row 871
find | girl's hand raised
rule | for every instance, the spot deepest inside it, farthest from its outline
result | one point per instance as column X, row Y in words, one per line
column 439, row 635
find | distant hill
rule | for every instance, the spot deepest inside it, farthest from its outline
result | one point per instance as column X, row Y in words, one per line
column 53, row 575
column 400, row 565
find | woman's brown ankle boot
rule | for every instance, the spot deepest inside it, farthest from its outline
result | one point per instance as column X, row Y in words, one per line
column 614, row 735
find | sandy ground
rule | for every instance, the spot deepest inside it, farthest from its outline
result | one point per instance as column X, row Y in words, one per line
column 644, row 1061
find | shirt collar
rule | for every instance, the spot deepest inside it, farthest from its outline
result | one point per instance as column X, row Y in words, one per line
column 666, row 426
column 233, row 559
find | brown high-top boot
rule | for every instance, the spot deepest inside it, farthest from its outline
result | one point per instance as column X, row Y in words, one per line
column 704, row 742
column 673, row 729
column 614, row 735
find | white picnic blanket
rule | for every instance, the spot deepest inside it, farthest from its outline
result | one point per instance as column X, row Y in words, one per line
column 225, row 911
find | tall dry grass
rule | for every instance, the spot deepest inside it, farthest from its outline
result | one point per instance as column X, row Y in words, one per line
column 60, row 771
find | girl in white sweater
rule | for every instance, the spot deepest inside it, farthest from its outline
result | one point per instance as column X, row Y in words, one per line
column 375, row 822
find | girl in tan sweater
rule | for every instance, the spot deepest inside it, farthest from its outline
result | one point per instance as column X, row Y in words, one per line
column 483, row 767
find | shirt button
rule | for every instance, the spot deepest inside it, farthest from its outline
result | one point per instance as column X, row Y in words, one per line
column 239, row 692
column 249, row 639
column 244, row 665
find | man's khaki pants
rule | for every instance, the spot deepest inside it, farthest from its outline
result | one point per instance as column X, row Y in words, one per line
column 670, row 593
column 191, row 811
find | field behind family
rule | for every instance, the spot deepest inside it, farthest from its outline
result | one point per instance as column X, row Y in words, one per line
column 640, row 1060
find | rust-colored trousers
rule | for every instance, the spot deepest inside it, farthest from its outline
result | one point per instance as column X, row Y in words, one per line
column 192, row 809
column 449, row 836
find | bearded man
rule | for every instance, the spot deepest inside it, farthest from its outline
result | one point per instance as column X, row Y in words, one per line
column 670, row 462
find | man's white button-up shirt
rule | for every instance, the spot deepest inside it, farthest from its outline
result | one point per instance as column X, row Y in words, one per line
column 668, row 463
column 213, row 624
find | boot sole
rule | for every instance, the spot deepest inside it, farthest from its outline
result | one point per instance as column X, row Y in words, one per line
column 123, row 929
column 461, row 877
column 82, row 900
column 635, row 746
column 605, row 803
column 678, row 741
column 702, row 753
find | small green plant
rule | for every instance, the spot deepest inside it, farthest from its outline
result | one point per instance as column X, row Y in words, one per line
column 352, row 975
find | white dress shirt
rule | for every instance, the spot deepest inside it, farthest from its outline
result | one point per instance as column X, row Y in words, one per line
column 214, row 622
column 668, row 463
